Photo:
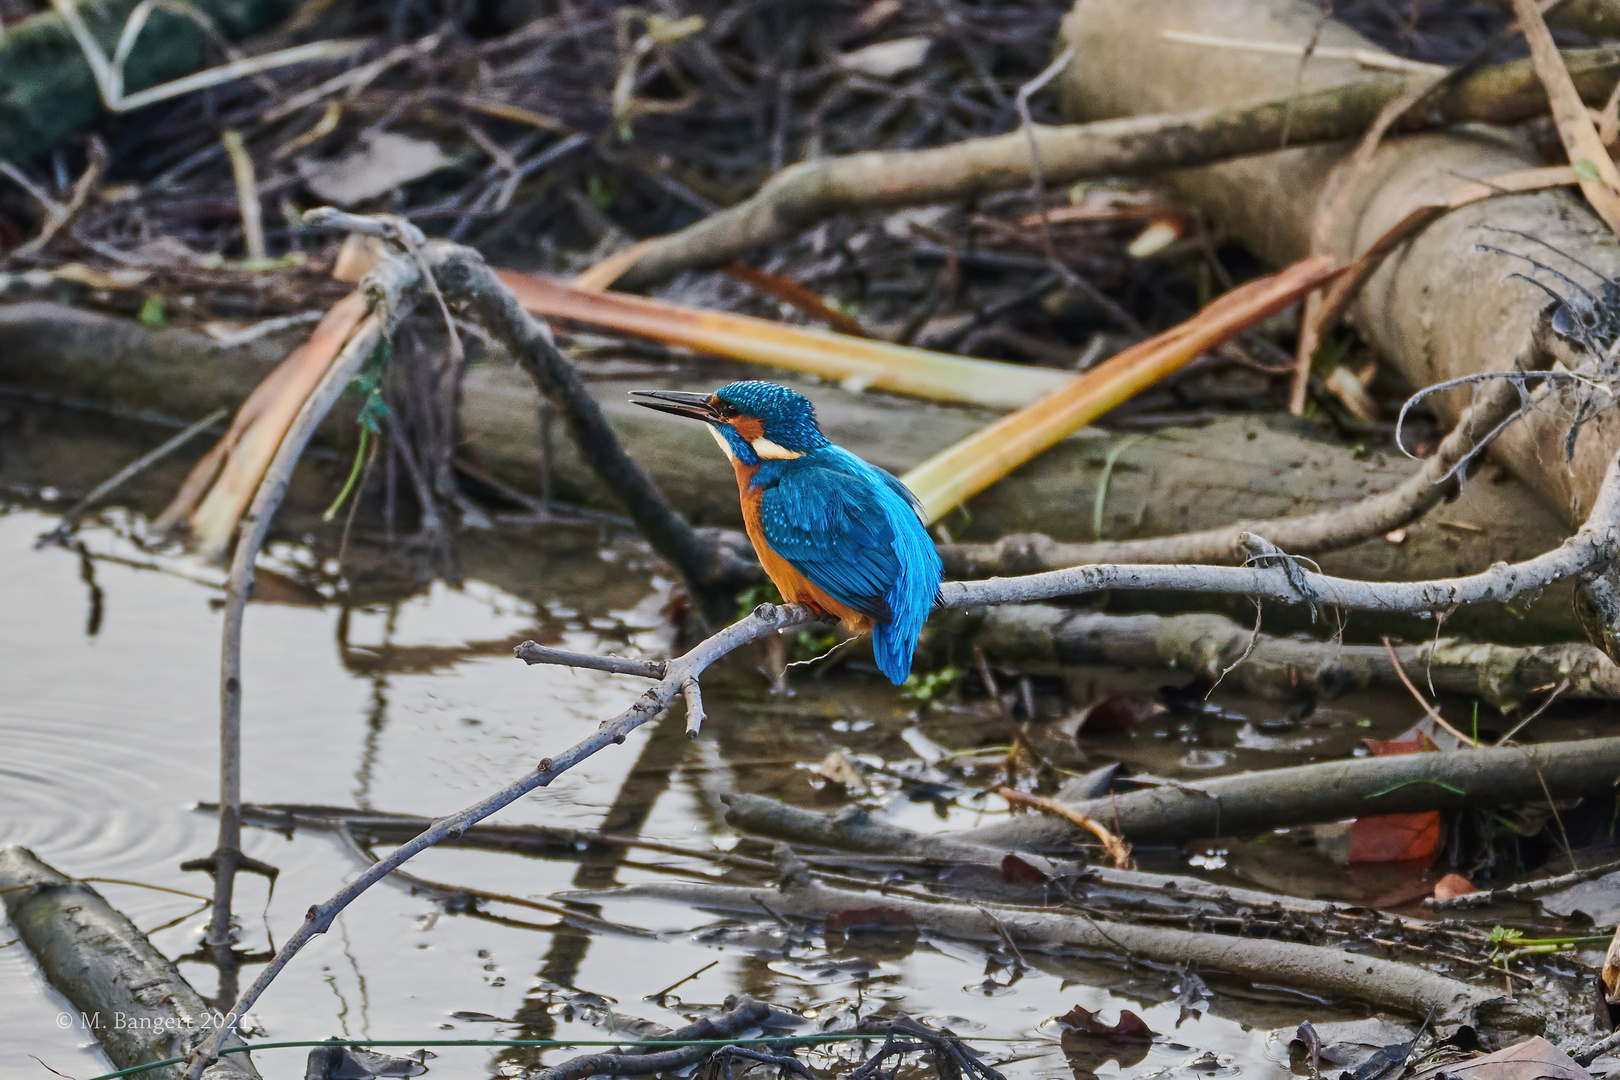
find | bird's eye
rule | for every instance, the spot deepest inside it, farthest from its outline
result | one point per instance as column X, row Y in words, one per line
column 729, row 411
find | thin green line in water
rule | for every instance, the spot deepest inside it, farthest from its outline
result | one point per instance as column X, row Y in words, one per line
column 547, row 1043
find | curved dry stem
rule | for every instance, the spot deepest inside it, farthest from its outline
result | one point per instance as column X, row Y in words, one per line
column 391, row 288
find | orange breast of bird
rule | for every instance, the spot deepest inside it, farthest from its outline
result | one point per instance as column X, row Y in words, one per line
column 793, row 585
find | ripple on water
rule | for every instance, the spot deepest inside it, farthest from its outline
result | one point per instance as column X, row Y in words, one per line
column 54, row 798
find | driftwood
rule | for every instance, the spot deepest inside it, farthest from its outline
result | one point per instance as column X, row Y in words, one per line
column 47, row 92
column 1385, row 983
column 803, row 194
column 1236, row 805
column 1040, row 637
column 1441, row 307
column 108, row 970
column 1334, row 790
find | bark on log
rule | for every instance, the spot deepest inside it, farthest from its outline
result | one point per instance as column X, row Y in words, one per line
column 1173, row 480
column 107, row 969
column 1407, row 988
column 47, row 94
column 1041, row 637
column 1438, row 309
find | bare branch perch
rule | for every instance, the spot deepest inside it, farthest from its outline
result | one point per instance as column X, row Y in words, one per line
column 1592, row 546
column 531, row 653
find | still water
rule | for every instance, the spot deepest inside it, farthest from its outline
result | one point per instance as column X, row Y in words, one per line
column 413, row 703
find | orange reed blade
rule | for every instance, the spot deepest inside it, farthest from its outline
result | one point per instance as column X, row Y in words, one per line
column 959, row 472
column 255, row 435
column 863, row 362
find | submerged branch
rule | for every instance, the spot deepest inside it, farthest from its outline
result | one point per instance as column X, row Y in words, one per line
column 1390, row 984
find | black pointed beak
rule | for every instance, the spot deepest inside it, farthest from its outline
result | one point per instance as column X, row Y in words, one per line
column 677, row 403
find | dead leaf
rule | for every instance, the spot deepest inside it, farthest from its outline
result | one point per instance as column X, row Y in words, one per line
column 887, row 59
column 1453, row 885
column 1349, row 1044
column 1088, row 1043
column 1533, row 1059
column 1119, row 714
column 1020, row 870
column 375, row 167
column 1396, row 837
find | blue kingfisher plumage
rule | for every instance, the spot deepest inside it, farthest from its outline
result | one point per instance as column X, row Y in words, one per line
column 832, row 531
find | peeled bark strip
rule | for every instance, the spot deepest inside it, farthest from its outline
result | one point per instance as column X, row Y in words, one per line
column 1440, row 308
column 1187, row 134
column 1388, row 984
column 108, row 970
column 1253, row 802
column 1285, row 668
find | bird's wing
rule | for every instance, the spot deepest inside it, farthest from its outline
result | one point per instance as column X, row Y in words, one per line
column 832, row 525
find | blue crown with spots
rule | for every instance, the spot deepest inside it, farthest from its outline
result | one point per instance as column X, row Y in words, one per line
column 788, row 417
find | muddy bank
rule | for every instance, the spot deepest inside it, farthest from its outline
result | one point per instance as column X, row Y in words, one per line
column 1164, row 481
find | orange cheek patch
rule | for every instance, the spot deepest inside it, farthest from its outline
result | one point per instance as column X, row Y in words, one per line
column 749, row 427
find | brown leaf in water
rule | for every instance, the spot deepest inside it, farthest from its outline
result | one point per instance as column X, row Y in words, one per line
column 872, row 918
column 1019, row 872
column 1129, row 1028
column 1453, row 885
column 1119, row 714
column 1396, row 837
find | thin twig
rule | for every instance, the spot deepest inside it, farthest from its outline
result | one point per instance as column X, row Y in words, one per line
column 71, row 516
column 1406, row 681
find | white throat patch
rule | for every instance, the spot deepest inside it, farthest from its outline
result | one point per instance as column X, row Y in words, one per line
column 771, row 451
column 721, row 439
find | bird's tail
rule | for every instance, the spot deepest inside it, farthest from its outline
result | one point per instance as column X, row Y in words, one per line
column 892, row 646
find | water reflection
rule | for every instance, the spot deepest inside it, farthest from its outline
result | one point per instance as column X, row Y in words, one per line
column 411, row 703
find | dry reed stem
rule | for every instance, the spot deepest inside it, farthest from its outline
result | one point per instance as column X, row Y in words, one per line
column 861, row 361
column 959, row 472
column 1601, row 186
column 1118, row 850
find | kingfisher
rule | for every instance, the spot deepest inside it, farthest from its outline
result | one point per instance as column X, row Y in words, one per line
column 833, row 532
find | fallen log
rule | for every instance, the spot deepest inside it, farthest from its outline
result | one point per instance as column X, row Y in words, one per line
column 1406, row 988
column 1439, row 308
column 1173, row 480
column 137, row 1004
column 1040, row 638
column 1253, row 802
